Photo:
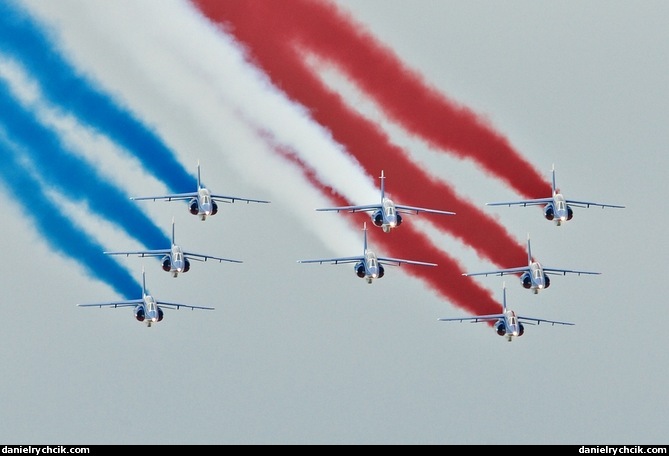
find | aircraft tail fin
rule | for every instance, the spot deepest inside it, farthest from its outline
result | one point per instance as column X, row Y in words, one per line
column 504, row 296
column 144, row 292
column 383, row 191
column 364, row 239
column 173, row 231
column 553, row 177
column 529, row 250
column 199, row 182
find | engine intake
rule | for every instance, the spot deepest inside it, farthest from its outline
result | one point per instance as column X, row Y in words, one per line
column 193, row 207
column 139, row 313
column 377, row 218
column 500, row 328
column 360, row 270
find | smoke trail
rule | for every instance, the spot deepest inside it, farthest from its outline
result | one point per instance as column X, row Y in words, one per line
column 22, row 37
column 197, row 93
column 57, row 230
column 402, row 93
column 219, row 103
column 410, row 243
column 271, row 50
column 72, row 176
column 326, row 30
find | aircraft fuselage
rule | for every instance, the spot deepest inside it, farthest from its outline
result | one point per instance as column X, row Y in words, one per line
column 389, row 216
column 537, row 277
column 178, row 262
column 203, row 205
column 558, row 210
column 512, row 324
column 373, row 269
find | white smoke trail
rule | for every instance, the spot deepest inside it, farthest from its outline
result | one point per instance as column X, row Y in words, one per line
column 112, row 160
column 92, row 146
column 191, row 82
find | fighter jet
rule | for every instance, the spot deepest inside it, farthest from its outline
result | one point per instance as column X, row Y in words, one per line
column 556, row 207
column 202, row 202
column 385, row 214
column 507, row 323
column 175, row 259
column 147, row 309
column 368, row 266
column 534, row 276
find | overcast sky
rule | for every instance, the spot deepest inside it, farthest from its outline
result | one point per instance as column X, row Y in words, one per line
column 306, row 353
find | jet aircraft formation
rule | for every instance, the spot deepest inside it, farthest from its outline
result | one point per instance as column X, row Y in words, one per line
column 385, row 214
column 533, row 276
column 175, row 260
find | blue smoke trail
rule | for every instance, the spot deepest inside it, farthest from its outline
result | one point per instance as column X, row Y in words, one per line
column 73, row 176
column 21, row 37
column 57, row 229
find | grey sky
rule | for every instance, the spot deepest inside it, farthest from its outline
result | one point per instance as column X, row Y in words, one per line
column 311, row 354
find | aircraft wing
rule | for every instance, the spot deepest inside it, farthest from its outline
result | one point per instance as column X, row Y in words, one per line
column 529, row 202
column 567, row 271
column 173, row 305
column 126, row 303
column 590, row 203
column 173, row 197
column 141, row 253
column 476, row 319
column 541, row 320
column 363, row 208
column 500, row 272
column 400, row 261
column 416, row 210
column 232, row 199
column 201, row 257
column 352, row 259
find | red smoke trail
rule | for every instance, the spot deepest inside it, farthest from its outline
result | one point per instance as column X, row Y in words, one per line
column 255, row 25
column 402, row 93
column 446, row 278
column 446, row 125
